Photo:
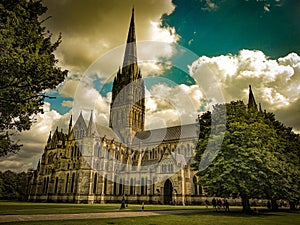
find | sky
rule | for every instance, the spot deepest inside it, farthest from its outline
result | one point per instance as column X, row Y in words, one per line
column 192, row 54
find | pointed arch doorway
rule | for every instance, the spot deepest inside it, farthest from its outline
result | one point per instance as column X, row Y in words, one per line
column 168, row 190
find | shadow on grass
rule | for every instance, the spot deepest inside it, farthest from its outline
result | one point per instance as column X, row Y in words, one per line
column 239, row 213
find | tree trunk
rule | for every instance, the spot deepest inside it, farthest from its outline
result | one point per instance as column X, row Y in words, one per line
column 246, row 205
column 274, row 205
column 292, row 205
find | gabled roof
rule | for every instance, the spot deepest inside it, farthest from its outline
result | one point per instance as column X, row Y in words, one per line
column 188, row 131
column 107, row 132
column 80, row 123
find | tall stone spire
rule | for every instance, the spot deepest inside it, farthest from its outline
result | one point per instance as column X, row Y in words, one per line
column 130, row 57
column 251, row 100
column 127, row 109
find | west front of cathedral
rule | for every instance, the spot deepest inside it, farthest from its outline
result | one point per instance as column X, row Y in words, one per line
column 96, row 164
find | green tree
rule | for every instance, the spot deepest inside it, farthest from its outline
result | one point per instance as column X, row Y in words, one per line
column 1, row 186
column 249, row 163
column 28, row 67
column 13, row 186
column 288, row 151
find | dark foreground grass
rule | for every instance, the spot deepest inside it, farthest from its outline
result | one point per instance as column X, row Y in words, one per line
column 203, row 218
column 29, row 208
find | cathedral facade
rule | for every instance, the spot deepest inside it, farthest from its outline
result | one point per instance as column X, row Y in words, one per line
column 97, row 164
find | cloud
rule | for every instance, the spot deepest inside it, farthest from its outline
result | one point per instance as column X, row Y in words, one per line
column 170, row 106
column 209, row 5
column 166, row 34
column 276, row 83
column 87, row 98
column 68, row 104
column 33, row 142
column 68, row 88
column 290, row 115
column 165, row 105
column 91, row 28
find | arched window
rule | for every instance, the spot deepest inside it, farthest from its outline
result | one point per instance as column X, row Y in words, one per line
column 131, row 186
column 50, row 158
column 67, row 181
column 115, row 186
column 95, row 183
column 72, row 183
column 142, row 187
column 56, row 185
column 145, row 186
column 197, row 187
column 120, row 187
column 105, row 185
column 153, row 186
column 44, row 185
column 47, row 185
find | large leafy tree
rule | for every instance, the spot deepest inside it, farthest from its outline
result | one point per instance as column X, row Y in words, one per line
column 288, row 151
column 255, row 159
column 13, row 186
column 28, row 67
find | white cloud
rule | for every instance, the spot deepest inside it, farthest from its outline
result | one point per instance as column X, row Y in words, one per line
column 275, row 82
column 160, row 34
column 68, row 87
column 33, row 142
column 68, row 104
column 170, row 106
column 151, row 68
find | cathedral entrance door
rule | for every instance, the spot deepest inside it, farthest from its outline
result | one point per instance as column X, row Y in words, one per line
column 168, row 189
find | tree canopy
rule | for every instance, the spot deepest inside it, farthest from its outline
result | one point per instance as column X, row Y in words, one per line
column 28, row 67
column 258, row 158
column 13, row 186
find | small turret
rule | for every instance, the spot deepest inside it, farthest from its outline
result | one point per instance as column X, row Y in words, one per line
column 91, row 126
column 49, row 138
column 38, row 166
column 70, row 126
column 251, row 101
column 259, row 107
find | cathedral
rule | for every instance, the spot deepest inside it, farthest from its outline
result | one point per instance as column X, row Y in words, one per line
column 96, row 164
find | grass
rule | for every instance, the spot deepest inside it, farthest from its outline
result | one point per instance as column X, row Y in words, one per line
column 205, row 218
column 29, row 208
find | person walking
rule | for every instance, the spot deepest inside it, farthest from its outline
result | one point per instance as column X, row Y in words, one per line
column 219, row 204
column 226, row 206
column 214, row 203
column 206, row 203
column 122, row 203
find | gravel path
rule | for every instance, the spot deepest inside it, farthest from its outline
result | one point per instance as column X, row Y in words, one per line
column 120, row 214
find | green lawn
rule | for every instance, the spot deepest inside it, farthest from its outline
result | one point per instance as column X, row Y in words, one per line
column 26, row 208
column 211, row 218
column 202, row 218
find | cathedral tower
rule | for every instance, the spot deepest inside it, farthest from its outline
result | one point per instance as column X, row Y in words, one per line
column 127, row 109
